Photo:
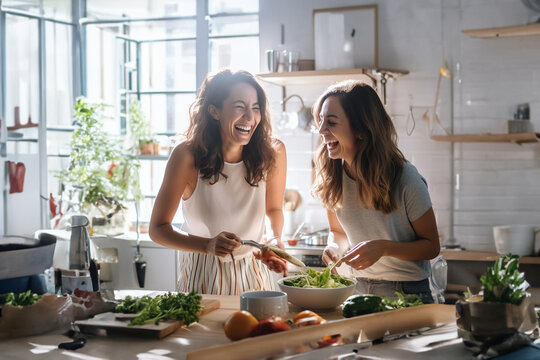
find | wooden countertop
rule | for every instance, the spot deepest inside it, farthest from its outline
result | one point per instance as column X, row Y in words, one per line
column 465, row 255
column 207, row 332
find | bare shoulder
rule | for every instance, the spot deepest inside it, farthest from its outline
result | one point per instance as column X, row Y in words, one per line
column 182, row 157
column 279, row 146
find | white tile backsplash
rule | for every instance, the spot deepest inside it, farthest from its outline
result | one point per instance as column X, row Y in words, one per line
column 498, row 183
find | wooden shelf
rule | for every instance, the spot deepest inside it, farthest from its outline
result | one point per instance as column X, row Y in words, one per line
column 463, row 255
column 507, row 31
column 488, row 137
column 327, row 76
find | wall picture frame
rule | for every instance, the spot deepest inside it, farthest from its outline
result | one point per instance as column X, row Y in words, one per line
column 346, row 37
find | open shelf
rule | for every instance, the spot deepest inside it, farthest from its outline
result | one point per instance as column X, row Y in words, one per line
column 464, row 255
column 520, row 138
column 327, row 76
column 507, row 31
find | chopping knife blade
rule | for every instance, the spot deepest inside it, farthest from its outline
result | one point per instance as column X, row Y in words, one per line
column 279, row 252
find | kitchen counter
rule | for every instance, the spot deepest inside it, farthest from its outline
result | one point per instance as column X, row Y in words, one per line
column 440, row 343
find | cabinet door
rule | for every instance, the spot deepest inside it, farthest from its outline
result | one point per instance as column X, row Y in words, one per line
column 160, row 269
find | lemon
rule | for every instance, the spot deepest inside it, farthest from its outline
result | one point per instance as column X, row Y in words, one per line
column 239, row 324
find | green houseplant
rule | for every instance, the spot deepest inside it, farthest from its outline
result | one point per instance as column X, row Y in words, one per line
column 97, row 164
column 144, row 140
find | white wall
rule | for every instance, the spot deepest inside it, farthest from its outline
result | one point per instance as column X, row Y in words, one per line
column 498, row 183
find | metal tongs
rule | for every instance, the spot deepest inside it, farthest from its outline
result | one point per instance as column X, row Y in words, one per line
column 279, row 252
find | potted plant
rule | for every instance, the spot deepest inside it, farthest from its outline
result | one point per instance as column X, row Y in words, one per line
column 107, row 176
column 140, row 129
column 504, row 308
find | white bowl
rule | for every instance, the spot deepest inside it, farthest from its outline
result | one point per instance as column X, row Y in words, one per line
column 316, row 299
column 263, row 304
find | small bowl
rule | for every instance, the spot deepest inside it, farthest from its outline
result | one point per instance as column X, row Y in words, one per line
column 292, row 242
column 264, row 304
column 316, row 299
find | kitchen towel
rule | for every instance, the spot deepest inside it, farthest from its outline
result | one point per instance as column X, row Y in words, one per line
column 16, row 176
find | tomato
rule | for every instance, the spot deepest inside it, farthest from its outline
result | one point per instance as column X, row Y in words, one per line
column 239, row 324
column 305, row 314
column 271, row 325
column 307, row 321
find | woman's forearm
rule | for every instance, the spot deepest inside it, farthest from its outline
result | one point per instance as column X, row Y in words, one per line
column 167, row 236
column 421, row 249
column 276, row 222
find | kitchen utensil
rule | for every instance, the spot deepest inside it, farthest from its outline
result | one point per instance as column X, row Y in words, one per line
column 279, row 252
column 515, row 239
column 336, row 264
column 111, row 323
column 305, row 117
column 22, row 256
column 272, row 60
column 316, row 298
column 140, row 265
column 317, row 238
column 16, row 176
column 264, row 304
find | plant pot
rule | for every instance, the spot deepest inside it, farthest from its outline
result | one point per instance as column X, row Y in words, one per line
column 147, row 149
column 488, row 319
column 155, row 149
column 107, row 220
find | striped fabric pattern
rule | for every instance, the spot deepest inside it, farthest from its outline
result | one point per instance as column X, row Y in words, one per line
column 206, row 274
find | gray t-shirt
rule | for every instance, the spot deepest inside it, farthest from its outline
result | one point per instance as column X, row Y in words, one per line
column 362, row 224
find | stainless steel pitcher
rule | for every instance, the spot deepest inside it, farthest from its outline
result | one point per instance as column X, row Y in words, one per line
column 79, row 245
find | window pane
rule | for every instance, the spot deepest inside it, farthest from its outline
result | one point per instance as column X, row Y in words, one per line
column 30, row 6
column 234, row 25
column 57, row 9
column 235, row 53
column 168, row 66
column 162, row 29
column 22, row 75
column 168, row 113
column 102, row 57
column 232, row 6
column 106, row 9
column 59, row 72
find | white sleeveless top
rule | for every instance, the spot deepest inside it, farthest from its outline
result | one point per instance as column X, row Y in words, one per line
column 231, row 205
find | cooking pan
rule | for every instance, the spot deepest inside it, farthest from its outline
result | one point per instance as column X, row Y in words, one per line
column 25, row 256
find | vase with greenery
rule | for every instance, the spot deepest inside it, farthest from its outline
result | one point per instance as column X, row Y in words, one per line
column 109, row 178
column 140, row 129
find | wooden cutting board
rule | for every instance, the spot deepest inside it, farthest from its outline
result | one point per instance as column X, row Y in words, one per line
column 112, row 323
column 363, row 328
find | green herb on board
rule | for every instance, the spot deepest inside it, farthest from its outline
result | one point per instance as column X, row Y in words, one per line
column 162, row 307
column 22, row 299
column 356, row 305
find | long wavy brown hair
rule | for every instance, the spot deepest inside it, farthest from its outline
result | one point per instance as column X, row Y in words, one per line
column 378, row 162
column 203, row 134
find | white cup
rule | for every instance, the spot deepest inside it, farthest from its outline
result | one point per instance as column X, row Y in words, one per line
column 515, row 239
column 264, row 304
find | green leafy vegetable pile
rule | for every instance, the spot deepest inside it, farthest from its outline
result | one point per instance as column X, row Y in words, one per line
column 162, row 307
column 318, row 279
column 22, row 299
column 503, row 282
column 366, row 304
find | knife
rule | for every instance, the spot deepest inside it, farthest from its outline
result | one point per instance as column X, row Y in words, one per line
column 279, row 252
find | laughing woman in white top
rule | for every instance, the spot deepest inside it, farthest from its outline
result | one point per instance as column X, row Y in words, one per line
column 228, row 173
column 379, row 209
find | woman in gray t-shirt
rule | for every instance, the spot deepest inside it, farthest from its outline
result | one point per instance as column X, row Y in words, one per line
column 380, row 214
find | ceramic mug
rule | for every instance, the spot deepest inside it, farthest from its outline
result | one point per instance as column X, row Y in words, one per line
column 515, row 239
column 264, row 304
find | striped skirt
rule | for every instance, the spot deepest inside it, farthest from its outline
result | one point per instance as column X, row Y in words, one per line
column 205, row 274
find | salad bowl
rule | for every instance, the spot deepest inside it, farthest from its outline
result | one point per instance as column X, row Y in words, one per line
column 316, row 298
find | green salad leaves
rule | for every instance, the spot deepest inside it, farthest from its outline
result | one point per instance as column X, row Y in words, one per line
column 162, row 307
column 318, row 280
column 22, row 299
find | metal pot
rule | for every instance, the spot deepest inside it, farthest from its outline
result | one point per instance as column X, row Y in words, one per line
column 319, row 238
